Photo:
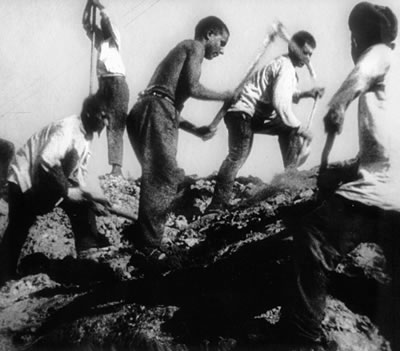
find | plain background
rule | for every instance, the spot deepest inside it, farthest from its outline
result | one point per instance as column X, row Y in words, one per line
column 45, row 59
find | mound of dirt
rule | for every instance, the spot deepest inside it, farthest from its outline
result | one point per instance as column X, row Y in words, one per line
column 230, row 273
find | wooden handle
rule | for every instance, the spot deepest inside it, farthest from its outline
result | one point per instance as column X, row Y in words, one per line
column 311, row 116
column 330, row 139
column 219, row 117
column 121, row 213
column 267, row 41
column 92, row 56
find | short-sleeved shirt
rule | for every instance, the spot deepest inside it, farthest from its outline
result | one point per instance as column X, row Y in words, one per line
column 274, row 86
column 377, row 185
column 50, row 147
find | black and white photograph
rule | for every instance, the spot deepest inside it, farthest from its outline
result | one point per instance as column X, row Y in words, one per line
column 199, row 175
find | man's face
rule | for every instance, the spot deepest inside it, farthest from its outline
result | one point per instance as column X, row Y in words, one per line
column 215, row 44
column 98, row 120
column 306, row 52
column 102, row 117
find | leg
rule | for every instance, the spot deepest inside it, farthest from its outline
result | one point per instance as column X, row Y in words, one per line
column 240, row 143
column 20, row 219
column 289, row 148
column 116, row 94
column 153, row 131
column 324, row 236
column 388, row 303
column 83, row 222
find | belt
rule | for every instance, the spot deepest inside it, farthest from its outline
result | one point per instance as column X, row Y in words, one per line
column 111, row 76
column 157, row 94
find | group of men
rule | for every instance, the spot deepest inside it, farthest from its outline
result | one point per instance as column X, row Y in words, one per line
column 49, row 169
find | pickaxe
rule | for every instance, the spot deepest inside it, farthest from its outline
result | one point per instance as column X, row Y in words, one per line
column 278, row 29
column 267, row 42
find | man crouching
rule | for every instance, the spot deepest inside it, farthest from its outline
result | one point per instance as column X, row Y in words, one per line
column 49, row 170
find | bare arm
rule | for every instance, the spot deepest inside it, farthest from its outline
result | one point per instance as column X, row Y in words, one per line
column 193, row 63
column 372, row 65
column 90, row 27
column 203, row 132
column 109, row 27
column 316, row 92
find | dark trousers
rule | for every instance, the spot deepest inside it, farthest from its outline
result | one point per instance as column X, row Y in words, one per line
column 23, row 210
column 152, row 128
column 114, row 92
column 320, row 242
column 241, row 132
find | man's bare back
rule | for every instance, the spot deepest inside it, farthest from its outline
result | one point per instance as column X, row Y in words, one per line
column 178, row 70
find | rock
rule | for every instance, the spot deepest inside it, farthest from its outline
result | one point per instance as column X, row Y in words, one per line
column 232, row 266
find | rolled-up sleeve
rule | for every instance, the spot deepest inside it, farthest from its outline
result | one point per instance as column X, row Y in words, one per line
column 50, row 159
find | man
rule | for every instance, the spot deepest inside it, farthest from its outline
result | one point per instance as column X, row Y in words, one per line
column 154, row 120
column 365, row 209
column 47, row 170
column 113, row 89
column 265, row 106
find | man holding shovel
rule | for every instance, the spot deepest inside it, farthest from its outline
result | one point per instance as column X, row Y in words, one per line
column 49, row 170
column 113, row 88
column 265, row 106
column 366, row 208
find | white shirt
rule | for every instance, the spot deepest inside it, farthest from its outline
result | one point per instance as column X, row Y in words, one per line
column 274, row 85
column 109, row 61
column 377, row 185
column 50, row 147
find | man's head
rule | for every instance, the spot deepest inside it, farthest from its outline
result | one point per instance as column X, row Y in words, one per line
column 214, row 34
column 301, row 48
column 94, row 117
column 369, row 25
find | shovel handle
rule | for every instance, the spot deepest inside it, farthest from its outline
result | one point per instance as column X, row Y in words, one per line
column 330, row 139
column 92, row 56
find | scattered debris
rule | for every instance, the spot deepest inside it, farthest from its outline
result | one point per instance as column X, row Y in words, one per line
column 230, row 273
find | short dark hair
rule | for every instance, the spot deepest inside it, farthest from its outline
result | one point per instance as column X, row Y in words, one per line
column 374, row 23
column 91, row 107
column 302, row 37
column 93, row 103
column 210, row 23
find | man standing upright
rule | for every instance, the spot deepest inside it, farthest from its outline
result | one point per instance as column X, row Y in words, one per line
column 113, row 88
column 265, row 106
column 154, row 120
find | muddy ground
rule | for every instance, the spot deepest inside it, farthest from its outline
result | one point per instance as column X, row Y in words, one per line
column 221, row 291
